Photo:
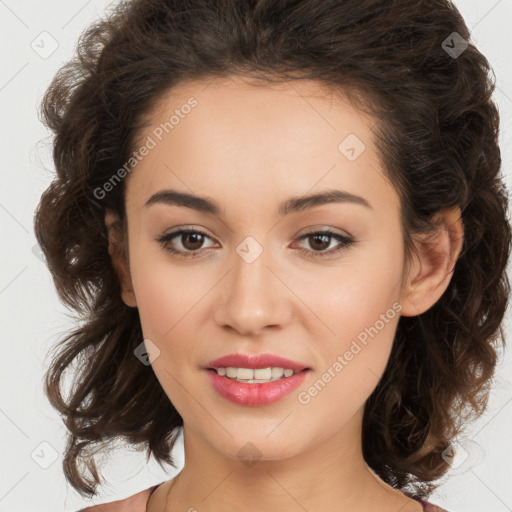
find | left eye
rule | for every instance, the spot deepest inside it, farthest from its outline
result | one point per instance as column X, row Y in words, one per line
column 192, row 240
column 320, row 238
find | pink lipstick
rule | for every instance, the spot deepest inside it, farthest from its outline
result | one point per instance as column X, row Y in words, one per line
column 287, row 375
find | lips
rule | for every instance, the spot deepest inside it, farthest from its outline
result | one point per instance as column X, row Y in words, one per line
column 259, row 361
column 256, row 394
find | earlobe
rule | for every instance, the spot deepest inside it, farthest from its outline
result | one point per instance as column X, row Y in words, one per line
column 432, row 270
column 118, row 259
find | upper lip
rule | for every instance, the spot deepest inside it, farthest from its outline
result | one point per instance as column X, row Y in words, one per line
column 259, row 361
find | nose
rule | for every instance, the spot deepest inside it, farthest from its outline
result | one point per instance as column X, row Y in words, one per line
column 253, row 297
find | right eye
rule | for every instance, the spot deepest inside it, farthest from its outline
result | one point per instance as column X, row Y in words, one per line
column 192, row 238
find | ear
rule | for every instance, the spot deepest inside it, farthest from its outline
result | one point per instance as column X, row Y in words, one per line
column 431, row 272
column 118, row 259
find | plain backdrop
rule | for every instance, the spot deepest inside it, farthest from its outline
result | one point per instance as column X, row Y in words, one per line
column 36, row 39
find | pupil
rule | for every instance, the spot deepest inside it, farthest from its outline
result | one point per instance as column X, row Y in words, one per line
column 198, row 242
column 325, row 237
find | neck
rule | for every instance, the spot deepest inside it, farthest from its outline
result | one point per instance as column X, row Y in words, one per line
column 331, row 474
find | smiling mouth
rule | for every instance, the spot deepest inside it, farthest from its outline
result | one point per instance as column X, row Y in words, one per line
column 255, row 375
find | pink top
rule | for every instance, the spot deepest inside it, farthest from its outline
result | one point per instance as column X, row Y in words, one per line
column 138, row 502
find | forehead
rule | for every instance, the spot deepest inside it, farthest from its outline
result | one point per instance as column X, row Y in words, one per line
column 212, row 134
column 238, row 107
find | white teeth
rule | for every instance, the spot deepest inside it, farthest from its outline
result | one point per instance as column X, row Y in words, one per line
column 256, row 375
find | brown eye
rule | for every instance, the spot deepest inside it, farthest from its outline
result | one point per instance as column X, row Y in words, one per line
column 191, row 241
column 194, row 239
column 321, row 240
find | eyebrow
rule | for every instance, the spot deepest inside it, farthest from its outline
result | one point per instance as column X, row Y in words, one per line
column 293, row 205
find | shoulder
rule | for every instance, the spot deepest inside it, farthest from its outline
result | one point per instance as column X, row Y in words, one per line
column 427, row 506
column 135, row 503
column 430, row 507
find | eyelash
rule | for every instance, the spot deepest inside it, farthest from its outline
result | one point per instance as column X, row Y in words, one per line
column 345, row 243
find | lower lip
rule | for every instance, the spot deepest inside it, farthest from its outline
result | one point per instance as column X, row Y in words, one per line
column 255, row 394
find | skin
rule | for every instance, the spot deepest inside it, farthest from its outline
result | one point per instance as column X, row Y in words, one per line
column 249, row 148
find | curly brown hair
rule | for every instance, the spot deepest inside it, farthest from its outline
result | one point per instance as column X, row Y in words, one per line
column 437, row 136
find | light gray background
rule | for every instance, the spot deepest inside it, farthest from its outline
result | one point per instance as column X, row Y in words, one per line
column 32, row 434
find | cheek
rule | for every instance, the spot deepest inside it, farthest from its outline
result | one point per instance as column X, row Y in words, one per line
column 356, row 314
column 165, row 294
column 167, row 299
column 353, row 296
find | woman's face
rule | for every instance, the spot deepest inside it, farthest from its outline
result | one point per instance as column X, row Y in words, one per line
column 256, row 284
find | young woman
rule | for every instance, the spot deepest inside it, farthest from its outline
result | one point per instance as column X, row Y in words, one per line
column 284, row 227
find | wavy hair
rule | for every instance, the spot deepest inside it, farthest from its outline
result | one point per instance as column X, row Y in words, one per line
column 436, row 131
